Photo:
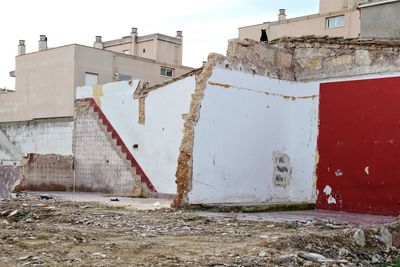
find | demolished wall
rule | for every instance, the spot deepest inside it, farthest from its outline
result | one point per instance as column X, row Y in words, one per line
column 100, row 165
column 251, row 133
column 149, row 121
column 46, row 173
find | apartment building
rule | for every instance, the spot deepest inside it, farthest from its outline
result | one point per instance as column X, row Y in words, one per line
column 46, row 79
column 379, row 19
column 336, row 18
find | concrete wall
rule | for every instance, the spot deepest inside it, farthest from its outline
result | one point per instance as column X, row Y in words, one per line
column 159, row 137
column 326, row 6
column 380, row 20
column 39, row 136
column 255, row 140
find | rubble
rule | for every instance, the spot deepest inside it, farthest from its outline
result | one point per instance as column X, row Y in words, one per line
column 54, row 233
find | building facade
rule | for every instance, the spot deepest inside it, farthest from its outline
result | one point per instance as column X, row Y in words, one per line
column 336, row 18
column 379, row 19
column 46, row 79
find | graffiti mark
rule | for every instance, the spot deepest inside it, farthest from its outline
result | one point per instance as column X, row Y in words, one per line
column 282, row 173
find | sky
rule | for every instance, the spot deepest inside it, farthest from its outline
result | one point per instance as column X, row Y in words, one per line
column 207, row 25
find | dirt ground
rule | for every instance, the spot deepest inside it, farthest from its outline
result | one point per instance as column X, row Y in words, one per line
column 39, row 232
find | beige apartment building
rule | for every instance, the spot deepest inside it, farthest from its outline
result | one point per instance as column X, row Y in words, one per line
column 46, row 79
column 336, row 18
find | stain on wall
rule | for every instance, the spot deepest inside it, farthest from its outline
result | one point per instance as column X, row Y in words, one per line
column 359, row 146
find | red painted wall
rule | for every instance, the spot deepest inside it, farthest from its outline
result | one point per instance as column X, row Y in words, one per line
column 359, row 146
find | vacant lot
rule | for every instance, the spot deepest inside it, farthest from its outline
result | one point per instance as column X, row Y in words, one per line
column 52, row 232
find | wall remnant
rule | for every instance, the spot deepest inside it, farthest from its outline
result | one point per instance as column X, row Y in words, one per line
column 227, row 146
column 155, row 144
column 314, row 58
column 9, row 175
column 46, row 173
column 102, row 161
column 184, row 170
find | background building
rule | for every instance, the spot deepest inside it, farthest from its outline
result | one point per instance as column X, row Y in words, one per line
column 339, row 18
column 379, row 19
column 46, row 79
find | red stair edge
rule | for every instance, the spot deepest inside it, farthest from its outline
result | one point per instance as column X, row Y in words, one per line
column 124, row 148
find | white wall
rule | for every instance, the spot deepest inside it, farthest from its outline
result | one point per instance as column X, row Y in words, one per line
column 160, row 137
column 239, row 129
column 51, row 136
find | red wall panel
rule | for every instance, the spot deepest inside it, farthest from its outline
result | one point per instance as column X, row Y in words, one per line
column 359, row 146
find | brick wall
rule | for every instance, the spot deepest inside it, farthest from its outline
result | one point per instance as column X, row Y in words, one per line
column 100, row 165
column 46, row 173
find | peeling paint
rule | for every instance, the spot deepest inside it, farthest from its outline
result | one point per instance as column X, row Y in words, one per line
column 331, row 200
column 366, row 170
column 219, row 84
column 327, row 190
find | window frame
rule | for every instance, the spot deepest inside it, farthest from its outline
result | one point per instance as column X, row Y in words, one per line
column 93, row 74
column 335, row 20
column 166, row 71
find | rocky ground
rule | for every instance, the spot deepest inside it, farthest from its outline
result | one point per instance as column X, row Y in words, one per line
column 35, row 231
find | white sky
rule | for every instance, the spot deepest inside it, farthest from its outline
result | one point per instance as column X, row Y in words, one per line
column 206, row 24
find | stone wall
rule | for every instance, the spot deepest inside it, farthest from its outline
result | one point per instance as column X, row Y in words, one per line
column 312, row 58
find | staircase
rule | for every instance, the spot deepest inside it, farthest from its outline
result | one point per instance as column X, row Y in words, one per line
column 121, row 149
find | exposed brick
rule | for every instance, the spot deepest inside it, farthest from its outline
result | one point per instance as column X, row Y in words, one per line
column 100, row 164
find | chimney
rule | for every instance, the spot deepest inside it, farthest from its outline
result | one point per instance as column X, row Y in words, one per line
column 98, row 43
column 21, row 48
column 42, row 43
column 179, row 34
column 282, row 14
column 133, row 48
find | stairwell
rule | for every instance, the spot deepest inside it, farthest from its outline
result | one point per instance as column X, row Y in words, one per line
column 103, row 163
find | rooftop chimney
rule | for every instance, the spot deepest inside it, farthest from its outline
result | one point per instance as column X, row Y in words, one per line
column 179, row 34
column 42, row 43
column 282, row 14
column 21, row 48
column 133, row 48
column 98, row 43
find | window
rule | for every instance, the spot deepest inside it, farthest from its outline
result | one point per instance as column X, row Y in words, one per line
column 167, row 72
column 91, row 78
column 335, row 22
